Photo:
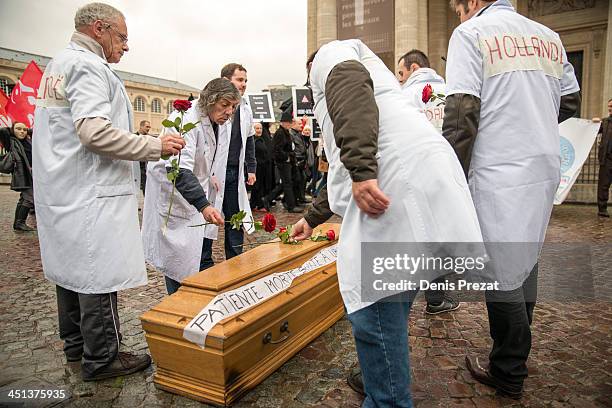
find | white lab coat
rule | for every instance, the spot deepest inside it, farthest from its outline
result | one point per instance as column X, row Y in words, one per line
column 417, row 169
column 219, row 167
column 413, row 89
column 176, row 253
column 86, row 206
column 519, row 70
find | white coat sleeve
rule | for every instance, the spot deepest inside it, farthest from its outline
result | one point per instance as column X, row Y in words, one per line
column 464, row 73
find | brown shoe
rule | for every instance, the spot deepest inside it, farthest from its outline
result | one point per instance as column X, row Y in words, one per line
column 482, row 375
column 124, row 364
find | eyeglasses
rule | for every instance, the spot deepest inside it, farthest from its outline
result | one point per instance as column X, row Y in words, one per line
column 123, row 38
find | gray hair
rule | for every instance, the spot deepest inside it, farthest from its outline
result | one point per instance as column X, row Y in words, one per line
column 216, row 90
column 91, row 12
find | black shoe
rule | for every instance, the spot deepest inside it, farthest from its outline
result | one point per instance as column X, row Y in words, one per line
column 124, row 364
column 355, row 381
column 448, row 304
column 482, row 375
column 21, row 214
column 603, row 213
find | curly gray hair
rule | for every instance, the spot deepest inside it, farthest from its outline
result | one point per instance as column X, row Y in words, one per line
column 216, row 90
column 91, row 12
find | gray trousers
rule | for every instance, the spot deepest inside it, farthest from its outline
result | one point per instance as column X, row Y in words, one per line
column 89, row 326
column 26, row 198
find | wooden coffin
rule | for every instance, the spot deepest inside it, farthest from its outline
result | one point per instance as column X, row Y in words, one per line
column 242, row 350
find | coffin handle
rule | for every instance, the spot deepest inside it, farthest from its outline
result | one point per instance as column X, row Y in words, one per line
column 267, row 338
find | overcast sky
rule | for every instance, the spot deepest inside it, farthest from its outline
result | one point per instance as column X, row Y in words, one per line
column 184, row 40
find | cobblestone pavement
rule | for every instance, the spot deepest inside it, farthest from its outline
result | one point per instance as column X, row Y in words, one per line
column 570, row 363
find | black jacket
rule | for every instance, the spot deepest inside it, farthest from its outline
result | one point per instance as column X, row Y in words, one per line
column 604, row 155
column 283, row 146
column 21, row 177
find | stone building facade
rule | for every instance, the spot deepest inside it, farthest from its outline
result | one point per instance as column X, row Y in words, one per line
column 396, row 26
column 151, row 97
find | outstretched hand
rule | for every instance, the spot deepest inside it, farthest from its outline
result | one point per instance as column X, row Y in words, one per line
column 301, row 230
column 212, row 215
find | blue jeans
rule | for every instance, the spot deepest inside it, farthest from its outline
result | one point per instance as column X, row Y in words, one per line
column 233, row 238
column 381, row 339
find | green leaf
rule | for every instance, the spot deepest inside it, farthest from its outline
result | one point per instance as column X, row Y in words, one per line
column 177, row 122
column 170, row 177
column 166, row 156
column 167, row 123
column 188, row 127
column 258, row 226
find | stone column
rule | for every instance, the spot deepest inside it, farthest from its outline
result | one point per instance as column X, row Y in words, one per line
column 410, row 26
column 607, row 80
column 326, row 22
column 311, row 27
column 438, row 34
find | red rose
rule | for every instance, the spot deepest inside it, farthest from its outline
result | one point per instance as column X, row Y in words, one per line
column 181, row 105
column 427, row 92
column 331, row 235
column 268, row 222
column 282, row 229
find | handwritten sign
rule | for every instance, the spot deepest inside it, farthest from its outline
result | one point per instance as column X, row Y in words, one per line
column 238, row 300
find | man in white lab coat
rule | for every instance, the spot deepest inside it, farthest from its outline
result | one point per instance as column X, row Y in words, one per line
column 175, row 250
column 509, row 84
column 392, row 178
column 228, row 188
column 86, row 204
column 414, row 73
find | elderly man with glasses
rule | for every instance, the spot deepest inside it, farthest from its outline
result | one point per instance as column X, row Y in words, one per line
column 84, row 172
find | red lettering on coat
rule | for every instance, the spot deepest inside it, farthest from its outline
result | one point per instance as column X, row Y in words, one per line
column 491, row 50
column 505, row 40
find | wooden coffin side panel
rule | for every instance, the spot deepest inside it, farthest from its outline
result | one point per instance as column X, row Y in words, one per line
column 250, row 361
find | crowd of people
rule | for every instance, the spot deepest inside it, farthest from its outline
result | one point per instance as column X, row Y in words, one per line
column 395, row 166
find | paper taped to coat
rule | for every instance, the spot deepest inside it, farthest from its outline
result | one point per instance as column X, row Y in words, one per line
column 238, row 300
column 576, row 139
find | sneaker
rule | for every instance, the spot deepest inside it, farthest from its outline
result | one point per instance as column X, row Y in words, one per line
column 448, row 304
column 355, row 381
column 124, row 364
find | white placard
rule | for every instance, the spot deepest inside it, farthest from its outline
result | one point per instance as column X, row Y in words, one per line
column 576, row 140
column 238, row 300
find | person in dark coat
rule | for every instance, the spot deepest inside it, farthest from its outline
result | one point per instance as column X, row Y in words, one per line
column 604, row 156
column 284, row 157
column 265, row 169
column 19, row 146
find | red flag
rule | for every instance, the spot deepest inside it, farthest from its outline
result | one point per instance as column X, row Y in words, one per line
column 20, row 107
column 5, row 121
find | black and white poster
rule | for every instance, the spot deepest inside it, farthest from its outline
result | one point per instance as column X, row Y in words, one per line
column 303, row 105
column 261, row 106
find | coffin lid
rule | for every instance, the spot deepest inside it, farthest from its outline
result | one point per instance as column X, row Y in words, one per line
column 177, row 310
